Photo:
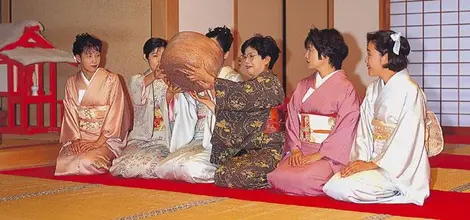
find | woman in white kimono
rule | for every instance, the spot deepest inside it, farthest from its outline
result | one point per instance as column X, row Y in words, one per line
column 190, row 145
column 149, row 140
column 388, row 162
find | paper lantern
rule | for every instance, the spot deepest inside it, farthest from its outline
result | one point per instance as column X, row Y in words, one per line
column 194, row 49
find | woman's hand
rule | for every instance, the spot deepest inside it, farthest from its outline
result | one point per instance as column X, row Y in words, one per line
column 200, row 75
column 356, row 167
column 296, row 157
column 205, row 99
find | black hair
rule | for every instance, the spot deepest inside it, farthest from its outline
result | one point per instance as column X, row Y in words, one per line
column 329, row 43
column 84, row 42
column 265, row 46
column 153, row 43
column 223, row 35
column 384, row 45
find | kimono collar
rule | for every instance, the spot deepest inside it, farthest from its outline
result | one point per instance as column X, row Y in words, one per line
column 394, row 78
column 391, row 86
column 319, row 80
column 87, row 82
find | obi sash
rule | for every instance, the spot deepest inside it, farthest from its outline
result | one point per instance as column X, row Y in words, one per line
column 315, row 128
column 433, row 141
column 91, row 118
column 381, row 134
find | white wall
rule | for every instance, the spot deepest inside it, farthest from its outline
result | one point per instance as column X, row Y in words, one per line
column 200, row 15
column 354, row 18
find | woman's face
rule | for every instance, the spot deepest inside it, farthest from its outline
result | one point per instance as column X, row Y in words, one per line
column 374, row 60
column 155, row 57
column 311, row 57
column 89, row 60
column 253, row 63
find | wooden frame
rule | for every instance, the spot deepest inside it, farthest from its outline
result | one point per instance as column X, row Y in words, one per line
column 331, row 14
column 235, row 44
column 5, row 6
column 384, row 14
column 164, row 15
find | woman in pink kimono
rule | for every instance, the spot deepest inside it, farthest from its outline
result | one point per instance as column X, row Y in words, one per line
column 322, row 119
column 94, row 127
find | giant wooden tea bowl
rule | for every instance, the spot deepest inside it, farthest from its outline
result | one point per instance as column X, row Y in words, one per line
column 194, row 49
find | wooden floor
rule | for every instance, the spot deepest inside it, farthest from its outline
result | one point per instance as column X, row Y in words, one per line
column 21, row 151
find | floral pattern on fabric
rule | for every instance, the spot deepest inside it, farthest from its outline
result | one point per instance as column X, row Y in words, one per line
column 249, row 170
column 139, row 159
column 242, row 113
column 158, row 123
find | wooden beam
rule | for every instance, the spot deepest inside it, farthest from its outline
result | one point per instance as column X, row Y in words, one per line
column 164, row 18
column 331, row 14
column 5, row 7
column 236, row 44
column 384, row 14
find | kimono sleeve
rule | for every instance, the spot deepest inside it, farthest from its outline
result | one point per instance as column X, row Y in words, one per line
column 69, row 129
column 292, row 120
column 406, row 144
column 261, row 93
column 337, row 146
column 118, row 119
column 363, row 145
column 139, row 93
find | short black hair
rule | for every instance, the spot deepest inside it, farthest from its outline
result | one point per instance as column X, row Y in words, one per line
column 223, row 35
column 153, row 43
column 265, row 46
column 384, row 45
column 85, row 42
column 328, row 43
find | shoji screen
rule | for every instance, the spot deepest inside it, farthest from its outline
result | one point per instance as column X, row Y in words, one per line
column 439, row 34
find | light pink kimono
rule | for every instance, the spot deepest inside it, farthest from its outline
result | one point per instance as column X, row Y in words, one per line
column 102, row 110
column 336, row 96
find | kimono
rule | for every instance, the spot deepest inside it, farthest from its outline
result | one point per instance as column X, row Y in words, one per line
column 190, row 142
column 322, row 118
column 244, row 152
column 149, row 140
column 87, row 116
column 391, row 133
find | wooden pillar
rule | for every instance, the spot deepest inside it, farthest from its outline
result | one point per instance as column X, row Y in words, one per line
column 5, row 13
column 164, row 18
column 331, row 14
column 384, row 14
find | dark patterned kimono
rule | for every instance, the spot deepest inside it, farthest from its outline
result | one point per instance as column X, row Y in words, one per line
column 245, row 153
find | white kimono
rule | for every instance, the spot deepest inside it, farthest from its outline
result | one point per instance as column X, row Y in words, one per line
column 150, row 138
column 190, row 144
column 391, row 133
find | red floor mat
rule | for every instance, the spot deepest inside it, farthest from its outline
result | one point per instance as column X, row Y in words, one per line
column 440, row 205
column 450, row 161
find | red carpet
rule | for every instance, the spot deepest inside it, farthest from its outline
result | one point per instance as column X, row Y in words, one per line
column 450, row 161
column 440, row 205
column 457, row 139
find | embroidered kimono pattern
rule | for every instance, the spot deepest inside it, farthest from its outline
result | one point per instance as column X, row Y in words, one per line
column 149, row 140
column 240, row 146
column 190, row 145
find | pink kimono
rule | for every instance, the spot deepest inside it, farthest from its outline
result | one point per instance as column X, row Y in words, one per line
column 334, row 103
column 93, row 108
